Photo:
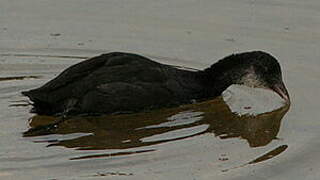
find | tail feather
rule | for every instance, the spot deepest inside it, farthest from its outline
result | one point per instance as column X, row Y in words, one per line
column 40, row 107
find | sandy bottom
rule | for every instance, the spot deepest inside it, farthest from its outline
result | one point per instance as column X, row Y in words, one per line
column 40, row 38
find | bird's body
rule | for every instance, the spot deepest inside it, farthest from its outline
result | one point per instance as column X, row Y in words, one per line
column 116, row 83
column 125, row 83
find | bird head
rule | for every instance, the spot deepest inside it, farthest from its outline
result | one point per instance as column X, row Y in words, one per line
column 255, row 69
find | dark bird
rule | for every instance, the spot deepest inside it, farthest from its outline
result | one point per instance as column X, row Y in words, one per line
column 127, row 83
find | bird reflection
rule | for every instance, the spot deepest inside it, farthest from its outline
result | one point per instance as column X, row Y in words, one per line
column 125, row 131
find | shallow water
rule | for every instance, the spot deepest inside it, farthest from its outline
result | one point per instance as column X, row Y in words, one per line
column 202, row 135
column 190, row 142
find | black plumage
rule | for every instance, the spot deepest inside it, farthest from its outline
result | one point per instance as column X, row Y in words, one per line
column 125, row 83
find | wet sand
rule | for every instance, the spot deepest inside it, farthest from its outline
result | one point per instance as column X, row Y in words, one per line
column 38, row 39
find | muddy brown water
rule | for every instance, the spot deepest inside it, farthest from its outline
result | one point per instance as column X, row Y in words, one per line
column 40, row 38
column 34, row 144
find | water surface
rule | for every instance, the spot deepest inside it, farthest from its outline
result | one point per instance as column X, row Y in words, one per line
column 40, row 38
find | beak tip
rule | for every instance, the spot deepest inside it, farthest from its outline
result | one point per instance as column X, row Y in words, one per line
column 282, row 91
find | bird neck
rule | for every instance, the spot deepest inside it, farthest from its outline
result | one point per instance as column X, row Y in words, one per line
column 215, row 83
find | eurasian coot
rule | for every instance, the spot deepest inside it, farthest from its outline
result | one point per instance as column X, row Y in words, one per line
column 126, row 83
